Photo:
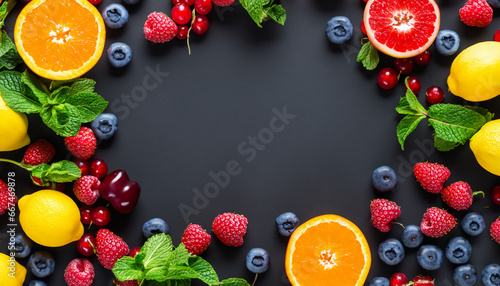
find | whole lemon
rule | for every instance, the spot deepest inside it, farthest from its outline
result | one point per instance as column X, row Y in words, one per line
column 485, row 145
column 11, row 272
column 13, row 128
column 474, row 72
column 50, row 218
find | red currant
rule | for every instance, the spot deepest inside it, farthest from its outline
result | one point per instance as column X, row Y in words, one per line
column 200, row 24
column 496, row 37
column 181, row 13
column 85, row 244
column 398, row 279
column 495, row 195
column 423, row 280
column 203, row 7
column 134, row 251
column 387, row 78
column 95, row 2
column 363, row 28
column 98, row 168
column 86, row 214
column 434, row 94
column 101, row 216
column 182, row 32
column 405, row 65
column 424, row 58
column 84, row 166
column 414, row 84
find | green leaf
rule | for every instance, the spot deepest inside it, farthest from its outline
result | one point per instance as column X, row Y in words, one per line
column 455, row 123
column 64, row 119
column 159, row 274
column 88, row 104
column 277, row 13
column 413, row 101
column 179, row 256
column 406, row 126
column 139, row 257
column 205, row 271
column 443, row 145
column 9, row 57
column 368, row 56
column 126, row 269
column 36, row 86
column 483, row 111
column 157, row 249
column 59, row 172
column 60, row 95
column 82, row 85
column 255, row 10
column 5, row 8
column 16, row 94
column 234, row 282
column 181, row 273
column 39, row 171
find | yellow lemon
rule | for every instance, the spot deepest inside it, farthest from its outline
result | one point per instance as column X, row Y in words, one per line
column 11, row 272
column 474, row 72
column 485, row 145
column 50, row 218
column 13, row 128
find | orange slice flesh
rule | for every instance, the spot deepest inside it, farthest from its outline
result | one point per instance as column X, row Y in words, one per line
column 327, row 250
column 401, row 28
column 60, row 39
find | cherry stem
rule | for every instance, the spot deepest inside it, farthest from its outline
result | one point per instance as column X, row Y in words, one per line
column 398, row 223
column 255, row 279
column 477, row 193
column 193, row 14
column 12, row 162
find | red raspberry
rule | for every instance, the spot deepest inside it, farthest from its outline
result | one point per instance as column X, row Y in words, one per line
column 6, row 200
column 39, row 152
column 109, row 248
column 79, row 272
column 477, row 13
column 495, row 230
column 196, row 239
column 83, row 144
column 431, row 176
column 159, row 28
column 437, row 222
column 86, row 189
column 230, row 228
column 384, row 213
column 458, row 195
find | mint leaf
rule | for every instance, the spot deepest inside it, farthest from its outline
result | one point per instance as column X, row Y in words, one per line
column 60, row 95
column 5, row 9
column 16, row 94
column 443, row 145
column 483, row 111
column 255, row 10
column 64, row 119
column 159, row 274
column 179, row 256
column 455, row 123
column 76, row 85
column 88, row 104
column 36, row 86
column 234, row 282
column 277, row 13
column 205, row 271
column 412, row 100
column 182, row 272
column 406, row 126
column 9, row 57
column 368, row 56
column 59, row 172
column 127, row 269
column 156, row 250
column 139, row 257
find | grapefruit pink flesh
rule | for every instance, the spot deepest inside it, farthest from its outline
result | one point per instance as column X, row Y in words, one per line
column 401, row 28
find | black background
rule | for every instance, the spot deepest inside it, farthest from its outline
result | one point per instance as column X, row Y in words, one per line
column 206, row 104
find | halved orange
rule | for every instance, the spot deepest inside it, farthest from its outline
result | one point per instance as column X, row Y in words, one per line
column 327, row 250
column 60, row 39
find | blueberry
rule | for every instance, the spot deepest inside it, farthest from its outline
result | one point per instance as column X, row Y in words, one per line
column 258, row 260
column 379, row 281
column 465, row 275
column 287, row 223
column 494, row 3
column 490, row 276
column 384, row 179
column 22, row 245
column 412, row 236
column 115, row 16
column 473, row 223
column 339, row 29
column 119, row 54
column 37, row 283
column 458, row 250
column 155, row 226
column 41, row 263
column 104, row 126
column 447, row 42
column 391, row 251
column 430, row 257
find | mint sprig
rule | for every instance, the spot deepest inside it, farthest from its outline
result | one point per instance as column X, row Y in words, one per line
column 58, row 172
column 159, row 264
column 368, row 55
column 453, row 124
column 260, row 10
column 63, row 106
column 9, row 58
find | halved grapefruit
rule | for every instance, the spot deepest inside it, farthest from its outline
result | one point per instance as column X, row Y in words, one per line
column 401, row 28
